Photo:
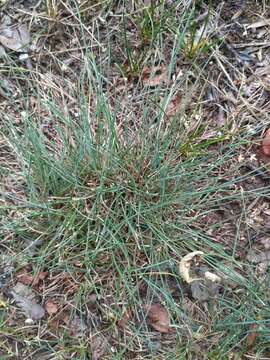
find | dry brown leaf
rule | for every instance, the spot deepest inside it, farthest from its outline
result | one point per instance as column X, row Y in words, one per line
column 25, row 278
column 154, row 76
column 28, row 279
column 40, row 277
column 252, row 335
column 266, row 143
column 123, row 322
column 51, row 307
column 158, row 318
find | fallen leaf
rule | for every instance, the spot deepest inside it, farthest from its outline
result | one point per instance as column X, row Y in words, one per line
column 154, row 76
column 51, row 307
column 252, row 335
column 266, row 143
column 25, row 278
column 40, row 277
column 25, row 299
column 15, row 37
column 123, row 322
column 158, row 318
column 184, row 266
column 212, row 277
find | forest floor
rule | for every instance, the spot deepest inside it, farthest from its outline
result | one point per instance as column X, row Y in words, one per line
column 134, row 181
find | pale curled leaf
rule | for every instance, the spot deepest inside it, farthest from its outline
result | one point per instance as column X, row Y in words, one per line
column 184, row 266
column 212, row 277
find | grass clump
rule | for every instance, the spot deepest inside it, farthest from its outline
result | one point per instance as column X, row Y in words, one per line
column 116, row 212
column 111, row 192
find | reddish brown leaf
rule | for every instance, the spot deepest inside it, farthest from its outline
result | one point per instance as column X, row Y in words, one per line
column 158, row 318
column 123, row 322
column 252, row 335
column 266, row 143
column 25, row 278
column 40, row 277
column 51, row 307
